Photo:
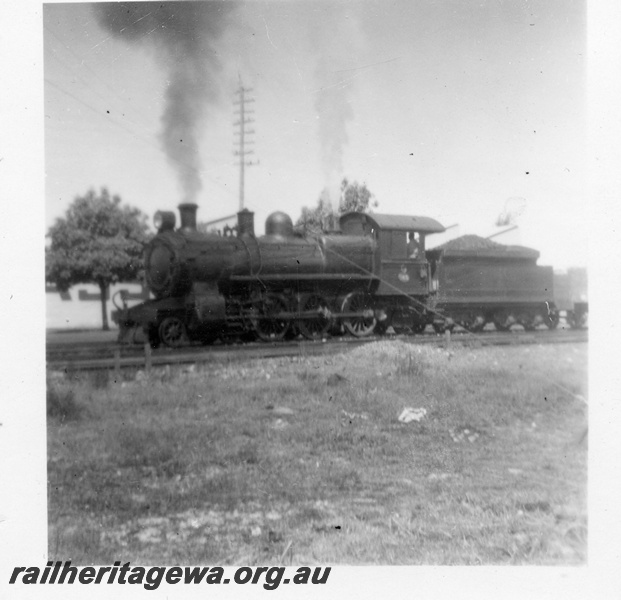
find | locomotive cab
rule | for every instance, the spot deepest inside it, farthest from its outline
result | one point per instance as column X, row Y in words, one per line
column 401, row 264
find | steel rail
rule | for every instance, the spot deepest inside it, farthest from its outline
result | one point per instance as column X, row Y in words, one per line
column 305, row 348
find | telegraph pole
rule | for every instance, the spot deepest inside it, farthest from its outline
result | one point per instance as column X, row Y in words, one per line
column 242, row 152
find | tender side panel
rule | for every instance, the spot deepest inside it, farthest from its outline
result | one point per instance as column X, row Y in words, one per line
column 463, row 281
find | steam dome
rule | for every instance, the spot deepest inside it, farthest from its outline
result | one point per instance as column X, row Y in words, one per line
column 280, row 224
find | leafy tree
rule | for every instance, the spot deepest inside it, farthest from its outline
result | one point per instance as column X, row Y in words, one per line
column 98, row 241
column 314, row 221
column 354, row 198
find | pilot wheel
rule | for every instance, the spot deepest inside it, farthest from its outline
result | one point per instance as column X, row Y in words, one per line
column 172, row 332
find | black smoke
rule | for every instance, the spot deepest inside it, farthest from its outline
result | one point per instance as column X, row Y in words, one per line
column 184, row 36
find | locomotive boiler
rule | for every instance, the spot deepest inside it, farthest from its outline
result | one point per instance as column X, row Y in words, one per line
column 206, row 286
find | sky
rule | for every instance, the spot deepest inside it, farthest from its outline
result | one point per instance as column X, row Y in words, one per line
column 461, row 111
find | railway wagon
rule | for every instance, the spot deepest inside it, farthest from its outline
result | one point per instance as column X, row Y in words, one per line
column 481, row 281
column 367, row 276
column 571, row 296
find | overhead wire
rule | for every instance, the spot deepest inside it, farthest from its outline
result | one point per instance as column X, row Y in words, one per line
column 110, row 118
column 84, row 65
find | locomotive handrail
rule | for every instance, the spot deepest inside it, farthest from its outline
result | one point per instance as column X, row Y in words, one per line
column 311, row 314
column 303, row 276
column 243, row 241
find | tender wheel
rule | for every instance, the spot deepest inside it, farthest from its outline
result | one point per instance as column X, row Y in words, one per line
column 529, row 322
column 474, row 323
column 503, row 320
column 172, row 332
column 315, row 328
column 442, row 327
column 418, row 327
column 361, row 326
column 268, row 326
column 577, row 319
column 531, row 319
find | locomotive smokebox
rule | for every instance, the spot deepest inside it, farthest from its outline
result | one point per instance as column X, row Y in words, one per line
column 245, row 223
column 187, row 211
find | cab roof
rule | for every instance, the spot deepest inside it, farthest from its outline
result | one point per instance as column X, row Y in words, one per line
column 396, row 222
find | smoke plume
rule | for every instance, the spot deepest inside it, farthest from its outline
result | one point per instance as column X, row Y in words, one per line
column 183, row 35
column 334, row 111
column 335, row 74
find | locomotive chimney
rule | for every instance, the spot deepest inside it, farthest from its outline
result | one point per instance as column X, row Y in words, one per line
column 245, row 223
column 188, row 216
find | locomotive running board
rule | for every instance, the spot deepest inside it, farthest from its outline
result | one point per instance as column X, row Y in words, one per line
column 302, row 277
column 313, row 314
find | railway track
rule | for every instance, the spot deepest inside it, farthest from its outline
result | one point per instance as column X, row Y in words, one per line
column 109, row 355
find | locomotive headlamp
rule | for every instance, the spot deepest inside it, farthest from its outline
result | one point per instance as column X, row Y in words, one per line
column 164, row 220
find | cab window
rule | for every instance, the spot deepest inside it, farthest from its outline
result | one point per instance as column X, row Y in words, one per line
column 416, row 245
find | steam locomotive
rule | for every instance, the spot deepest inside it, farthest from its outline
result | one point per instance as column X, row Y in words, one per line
column 372, row 274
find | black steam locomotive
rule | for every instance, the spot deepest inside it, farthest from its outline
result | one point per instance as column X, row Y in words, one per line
column 372, row 274
column 361, row 279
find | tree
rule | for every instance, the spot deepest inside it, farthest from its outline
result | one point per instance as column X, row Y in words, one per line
column 98, row 241
column 353, row 198
column 356, row 197
column 314, row 221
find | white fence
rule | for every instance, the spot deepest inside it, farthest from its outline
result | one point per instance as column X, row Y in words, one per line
column 80, row 306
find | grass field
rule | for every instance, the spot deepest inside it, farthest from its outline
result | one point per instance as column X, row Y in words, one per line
column 304, row 461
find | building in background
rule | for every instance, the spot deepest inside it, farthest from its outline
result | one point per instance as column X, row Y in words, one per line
column 80, row 306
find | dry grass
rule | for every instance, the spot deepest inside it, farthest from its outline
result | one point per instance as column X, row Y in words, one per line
column 304, row 461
